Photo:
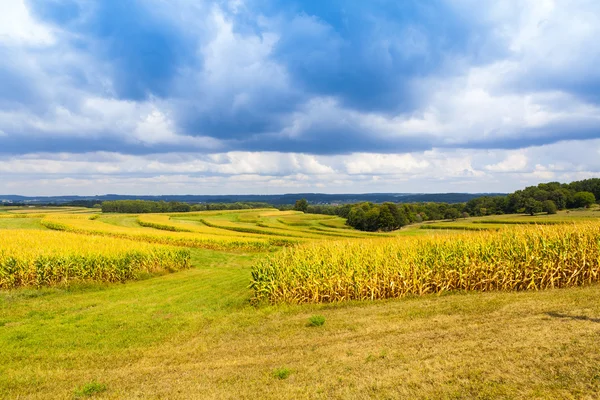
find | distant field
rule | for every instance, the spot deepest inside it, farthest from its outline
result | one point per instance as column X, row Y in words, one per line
column 224, row 322
column 48, row 210
column 494, row 222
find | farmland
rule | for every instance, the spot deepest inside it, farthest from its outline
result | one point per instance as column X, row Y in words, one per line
column 47, row 259
column 208, row 304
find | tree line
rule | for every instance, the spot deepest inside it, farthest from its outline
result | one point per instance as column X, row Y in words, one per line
column 545, row 197
column 148, row 206
column 387, row 216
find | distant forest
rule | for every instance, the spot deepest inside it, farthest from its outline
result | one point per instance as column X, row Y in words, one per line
column 545, row 197
column 145, row 206
column 272, row 199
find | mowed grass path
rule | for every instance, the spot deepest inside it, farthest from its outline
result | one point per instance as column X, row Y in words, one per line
column 193, row 334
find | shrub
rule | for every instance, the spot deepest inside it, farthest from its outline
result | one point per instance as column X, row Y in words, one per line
column 316, row 320
column 90, row 389
column 282, row 373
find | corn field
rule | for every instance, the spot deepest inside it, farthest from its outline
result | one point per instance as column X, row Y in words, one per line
column 516, row 258
column 46, row 258
column 160, row 236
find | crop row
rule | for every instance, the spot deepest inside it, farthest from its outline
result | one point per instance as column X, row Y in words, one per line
column 458, row 227
column 42, row 258
column 520, row 258
column 186, row 239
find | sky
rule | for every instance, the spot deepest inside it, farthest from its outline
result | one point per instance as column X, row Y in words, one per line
column 273, row 96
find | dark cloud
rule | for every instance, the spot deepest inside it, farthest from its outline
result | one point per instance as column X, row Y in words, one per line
column 44, row 142
column 327, row 142
column 368, row 53
column 144, row 50
column 250, row 76
column 530, row 137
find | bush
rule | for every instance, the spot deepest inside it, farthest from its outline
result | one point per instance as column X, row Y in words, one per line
column 282, row 373
column 316, row 320
column 90, row 389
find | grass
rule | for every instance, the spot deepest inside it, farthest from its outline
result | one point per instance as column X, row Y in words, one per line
column 282, row 373
column 21, row 223
column 316, row 320
column 197, row 324
column 90, row 389
column 194, row 332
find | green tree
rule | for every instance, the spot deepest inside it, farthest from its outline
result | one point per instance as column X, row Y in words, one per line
column 356, row 218
column 533, row 206
column 584, row 199
column 301, row 205
column 452, row 213
column 549, row 207
column 372, row 219
column 386, row 222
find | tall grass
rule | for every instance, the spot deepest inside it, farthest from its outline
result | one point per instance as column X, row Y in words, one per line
column 516, row 258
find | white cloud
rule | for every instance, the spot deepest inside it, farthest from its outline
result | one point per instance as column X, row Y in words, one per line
column 513, row 163
column 439, row 170
column 384, row 164
column 18, row 27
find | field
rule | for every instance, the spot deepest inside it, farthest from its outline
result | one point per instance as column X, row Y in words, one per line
column 209, row 307
column 495, row 222
column 523, row 258
column 49, row 259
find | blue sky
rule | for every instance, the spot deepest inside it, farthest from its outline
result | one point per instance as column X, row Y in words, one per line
column 265, row 96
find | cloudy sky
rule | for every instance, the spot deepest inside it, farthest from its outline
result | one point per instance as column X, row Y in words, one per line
column 268, row 96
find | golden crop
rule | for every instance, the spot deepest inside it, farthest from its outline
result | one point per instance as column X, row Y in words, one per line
column 516, row 258
column 37, row 258
column 161, row 236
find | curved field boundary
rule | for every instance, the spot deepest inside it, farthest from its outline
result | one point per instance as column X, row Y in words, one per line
column 352, row 234
column 334, row 226
column 310, row 230
column 171, row 238
column 525, row 222
column 160, row 226
column 10, row 215
column 289, row 223
column 218, row 212
column 460, row 227
column 242, row 229
column 198, row 227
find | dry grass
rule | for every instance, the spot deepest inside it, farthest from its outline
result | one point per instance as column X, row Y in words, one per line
column 193, row 334
column 497, row 345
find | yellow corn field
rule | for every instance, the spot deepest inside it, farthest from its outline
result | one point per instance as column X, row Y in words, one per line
column 186, row 239
column 40, row 258
column 515, row 258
